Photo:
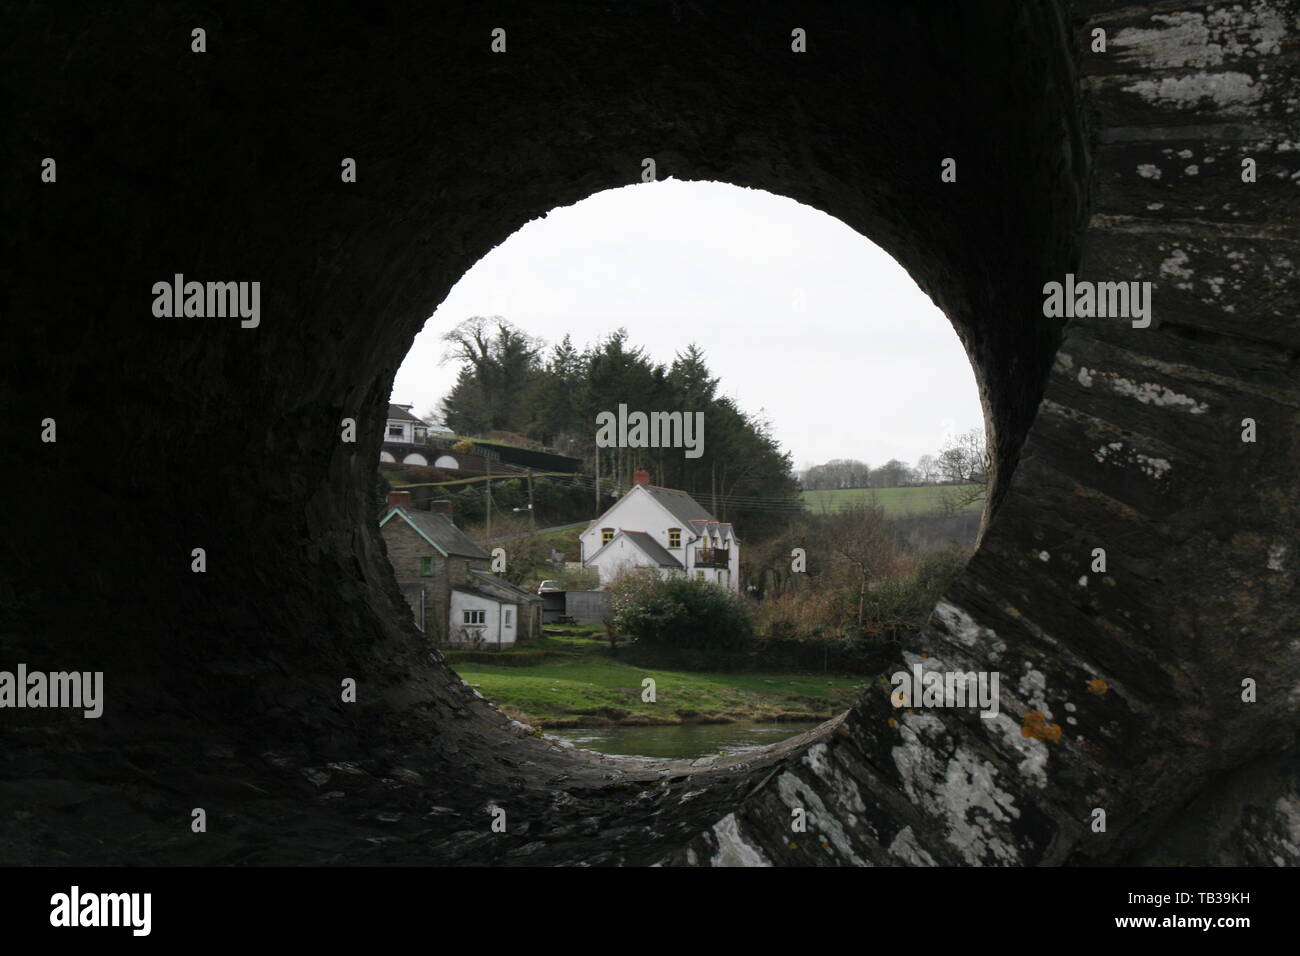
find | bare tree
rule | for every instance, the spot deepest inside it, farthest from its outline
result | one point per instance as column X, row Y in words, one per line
column 891, row 474
column 927, row 469
column 837, row 473
column 866, row 543
column 965, row 462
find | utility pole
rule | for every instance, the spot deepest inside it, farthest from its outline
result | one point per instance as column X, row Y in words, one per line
column 487, row 495
column 532, row 517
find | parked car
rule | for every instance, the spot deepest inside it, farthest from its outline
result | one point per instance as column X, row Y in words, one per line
column 549, row 587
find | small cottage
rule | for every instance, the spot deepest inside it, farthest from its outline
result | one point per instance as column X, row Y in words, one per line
column 446, row 580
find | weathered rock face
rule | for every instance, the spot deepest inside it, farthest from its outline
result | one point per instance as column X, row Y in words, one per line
column 1120, row 690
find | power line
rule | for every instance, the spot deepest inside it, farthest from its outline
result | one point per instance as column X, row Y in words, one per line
column 770, row 504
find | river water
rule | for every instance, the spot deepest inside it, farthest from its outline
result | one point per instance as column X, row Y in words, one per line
column 681, row 740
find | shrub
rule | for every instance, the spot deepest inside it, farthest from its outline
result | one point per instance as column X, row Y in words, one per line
column 901, row 605
column 679, row 612
column 808, row 614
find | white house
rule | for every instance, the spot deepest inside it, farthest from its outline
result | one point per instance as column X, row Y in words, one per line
column 404, row 428
column 662, row 528
column 485, row 611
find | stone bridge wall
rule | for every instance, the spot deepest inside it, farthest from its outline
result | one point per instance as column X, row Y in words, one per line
column 1121, row 690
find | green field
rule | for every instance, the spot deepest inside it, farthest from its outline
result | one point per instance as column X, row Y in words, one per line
column 575, row 680
column 895, row 501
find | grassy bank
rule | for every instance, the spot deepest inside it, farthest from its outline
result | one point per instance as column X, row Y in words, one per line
column 574, row 679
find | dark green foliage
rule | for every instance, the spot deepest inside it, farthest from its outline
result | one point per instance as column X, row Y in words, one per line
column 508, row 382
column 680, row 612
column 557, row 501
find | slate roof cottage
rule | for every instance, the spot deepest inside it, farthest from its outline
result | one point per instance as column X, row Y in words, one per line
column 447, row 582
column 665, row 529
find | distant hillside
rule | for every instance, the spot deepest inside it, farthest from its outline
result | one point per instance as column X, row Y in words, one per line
column 895, row 501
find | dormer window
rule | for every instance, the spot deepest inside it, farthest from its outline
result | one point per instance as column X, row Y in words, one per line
column 606, row 535
column 674, row 537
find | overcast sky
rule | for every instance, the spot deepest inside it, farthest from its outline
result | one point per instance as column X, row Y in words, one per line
column 869, row 368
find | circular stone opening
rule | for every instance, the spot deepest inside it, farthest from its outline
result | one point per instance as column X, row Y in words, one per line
column 234, row 674
column 538, row 555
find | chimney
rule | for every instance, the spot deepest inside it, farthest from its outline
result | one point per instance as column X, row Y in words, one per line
column 441, row 506
column 640, row 477
column 399, row 499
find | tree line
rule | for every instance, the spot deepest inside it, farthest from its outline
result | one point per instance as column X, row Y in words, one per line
column 515, row 383
column 962, row 460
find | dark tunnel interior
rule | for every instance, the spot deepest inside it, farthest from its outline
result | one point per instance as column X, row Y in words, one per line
column 222, row 687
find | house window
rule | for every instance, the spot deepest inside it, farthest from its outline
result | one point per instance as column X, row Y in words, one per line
column 394, row 431
column 674, row 537
column 699, row 575
column 509, row 617
column 476, row 617
column 606, row 535
column 426, row 566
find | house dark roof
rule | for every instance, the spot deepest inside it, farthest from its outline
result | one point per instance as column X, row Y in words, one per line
column 489, row 585
column 721, row 528
column 438, row 530
column 652, row 549
column 682, row 506
column 400, row 414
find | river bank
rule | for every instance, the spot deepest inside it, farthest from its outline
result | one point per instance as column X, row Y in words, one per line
column 684, row 741
column 577, row 680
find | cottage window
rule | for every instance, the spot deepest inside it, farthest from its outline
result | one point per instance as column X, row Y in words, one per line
column 395, row 431
column 674, row 537
column 699, row 575
column 426, row 566
column 606, row 535
column 509, row 617
column 475, row 617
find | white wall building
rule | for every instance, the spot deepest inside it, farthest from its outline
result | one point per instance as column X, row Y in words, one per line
column 662, row 528
column 485, row 612
column 403, row 427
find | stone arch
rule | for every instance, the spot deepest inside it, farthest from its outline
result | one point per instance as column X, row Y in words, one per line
column 387, row 457
column 446, row 461
column 415, row 458
column 1121, row 689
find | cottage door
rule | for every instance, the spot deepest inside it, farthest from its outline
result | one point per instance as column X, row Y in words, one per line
column 508, row 624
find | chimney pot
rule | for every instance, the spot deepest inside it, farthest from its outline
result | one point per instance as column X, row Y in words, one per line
column 640, row 477
column 399, row 499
